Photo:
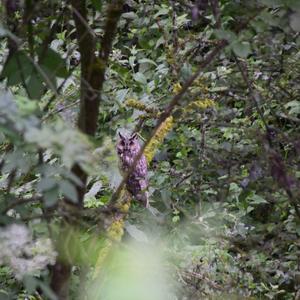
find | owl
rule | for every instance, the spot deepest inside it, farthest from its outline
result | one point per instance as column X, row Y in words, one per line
column 127, row 149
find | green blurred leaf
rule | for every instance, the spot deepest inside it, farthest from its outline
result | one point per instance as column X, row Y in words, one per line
column 30, row 283
column 225, row 35
column 68, row 190
column 295, row 21
column 51, row 196
column 241, row 49
column 53, row 62
column 3, row 31
column 147, row 61
column 17, row 68
column 136, row 233
column 140, row 77
column 256, row 199
column 162, row 12
column 130, row 15
column 46, row 184
column 35, row 86
column 97, row 4
column 293, row 107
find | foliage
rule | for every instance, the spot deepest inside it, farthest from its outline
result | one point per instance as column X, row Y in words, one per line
column 223, row 157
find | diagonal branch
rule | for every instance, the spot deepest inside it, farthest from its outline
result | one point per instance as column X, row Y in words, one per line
column 216, row 12
column 167, row 113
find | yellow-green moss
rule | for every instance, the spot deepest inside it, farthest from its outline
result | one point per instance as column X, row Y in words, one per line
column 176, row 88
column 116, row 229
column 200, row 104
column 158, row 138
column 134, row 103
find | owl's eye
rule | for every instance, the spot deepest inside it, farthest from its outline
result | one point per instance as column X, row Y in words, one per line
column 122, row 143
column 131, row 143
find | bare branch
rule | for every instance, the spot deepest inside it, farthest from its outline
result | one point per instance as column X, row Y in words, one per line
column 216, row 12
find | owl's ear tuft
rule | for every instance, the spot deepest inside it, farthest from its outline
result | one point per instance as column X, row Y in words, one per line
column 133, row 136
column 121, row 136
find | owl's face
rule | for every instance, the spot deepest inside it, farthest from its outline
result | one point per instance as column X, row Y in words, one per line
column 128, row 146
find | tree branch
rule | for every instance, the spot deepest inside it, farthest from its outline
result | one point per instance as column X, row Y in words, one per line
column 216, row 12
column 167, row 113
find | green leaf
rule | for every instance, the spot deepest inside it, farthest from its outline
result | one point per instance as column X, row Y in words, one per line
column 139, row 77
column 17, row 68
column 272, row 3
column 293, row 4
column 97, row 4
column 186, row 71
column 131, row 61
column 136, row 233
column 68, row 190
column 4, row 295
column 298, row 229
column 46, row 184
column 241, row 49
column 295, row 21
column 293, row 106
column 219, row 89
column 30, row 284
column 96, row 187
column 47, row 291
column 35, row 86
column 52, row 61
column 256, row 199
column 147, row 61
column 160, row 41
column 161, row 12
column 130, row 15
column 25, row 105
column 3, row 31
column 121, row 95
column 51, row 197
column 225, row 35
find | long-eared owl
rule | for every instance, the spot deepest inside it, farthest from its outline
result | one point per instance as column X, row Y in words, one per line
column 128, row 148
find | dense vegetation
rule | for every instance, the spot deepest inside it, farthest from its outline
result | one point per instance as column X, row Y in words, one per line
column 212, row 87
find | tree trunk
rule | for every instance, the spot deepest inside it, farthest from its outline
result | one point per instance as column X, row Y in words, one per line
column 92, row 79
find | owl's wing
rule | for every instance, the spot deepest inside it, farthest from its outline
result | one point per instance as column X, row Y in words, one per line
column 141, row 168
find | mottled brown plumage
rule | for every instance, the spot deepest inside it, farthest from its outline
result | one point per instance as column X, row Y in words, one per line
column 128, row 148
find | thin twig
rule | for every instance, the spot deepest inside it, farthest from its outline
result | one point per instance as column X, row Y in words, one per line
column 83, row 21
column 216, row 12
column 46, row 107
column 60, row 110
column 10, row 180
column 183, row 179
